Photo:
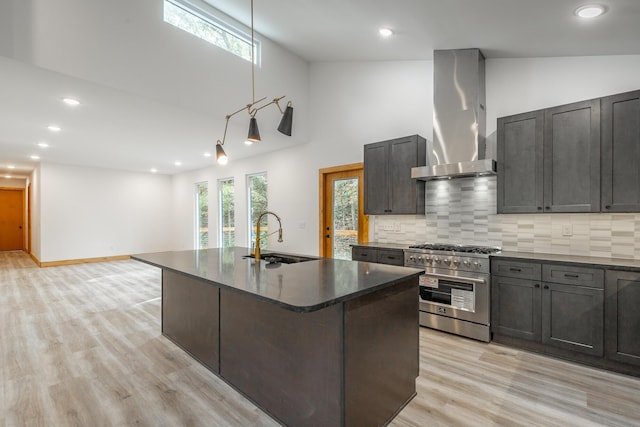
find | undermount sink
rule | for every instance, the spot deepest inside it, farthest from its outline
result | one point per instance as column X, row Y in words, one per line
column 280, row 258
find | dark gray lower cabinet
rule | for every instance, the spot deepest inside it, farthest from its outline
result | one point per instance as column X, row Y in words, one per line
column 377, row 255
column 623, row 316
column 567, row 313
column 573, row 318
column 516, row 308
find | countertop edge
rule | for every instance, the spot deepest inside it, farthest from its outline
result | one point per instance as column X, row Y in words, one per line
column 294, row 308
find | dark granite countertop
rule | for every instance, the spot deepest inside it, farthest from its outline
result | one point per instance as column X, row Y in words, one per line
column 598, row 262
column 303, row 287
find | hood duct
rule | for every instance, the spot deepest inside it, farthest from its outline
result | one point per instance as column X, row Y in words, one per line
column 459, row 119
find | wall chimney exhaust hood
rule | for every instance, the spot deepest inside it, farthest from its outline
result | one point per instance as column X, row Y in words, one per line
column 459, row 145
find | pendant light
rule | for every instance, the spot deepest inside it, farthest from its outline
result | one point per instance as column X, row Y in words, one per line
column 252, row 108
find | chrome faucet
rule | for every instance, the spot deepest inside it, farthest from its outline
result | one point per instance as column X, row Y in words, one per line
column 256, row 251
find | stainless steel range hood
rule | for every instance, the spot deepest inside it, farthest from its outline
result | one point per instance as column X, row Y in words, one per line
column 459, row 119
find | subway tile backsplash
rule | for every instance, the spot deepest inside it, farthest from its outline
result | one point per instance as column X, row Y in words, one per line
column 463, row 211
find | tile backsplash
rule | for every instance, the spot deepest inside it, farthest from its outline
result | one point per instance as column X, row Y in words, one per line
column 463, row 211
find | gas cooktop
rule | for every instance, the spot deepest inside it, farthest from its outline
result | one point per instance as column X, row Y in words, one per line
column 473, row 249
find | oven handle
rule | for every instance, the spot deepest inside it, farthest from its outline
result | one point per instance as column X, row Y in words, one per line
column 457, row 278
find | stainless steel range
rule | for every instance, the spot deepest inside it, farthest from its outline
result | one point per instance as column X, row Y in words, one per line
column 454, row 290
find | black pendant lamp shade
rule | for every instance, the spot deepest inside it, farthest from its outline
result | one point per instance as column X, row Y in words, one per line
column 221, row 156
column 254, row 133
column 287, row 120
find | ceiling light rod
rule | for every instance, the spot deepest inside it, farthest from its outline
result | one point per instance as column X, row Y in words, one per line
column 253, row 108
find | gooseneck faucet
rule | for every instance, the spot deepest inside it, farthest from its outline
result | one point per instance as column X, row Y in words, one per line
column 256, row 252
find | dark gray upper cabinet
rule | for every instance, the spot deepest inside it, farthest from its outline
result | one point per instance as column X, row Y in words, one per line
column 572, row 157
column 622, row 323
column 589, row 150
column 388, row 186
column 520, row 163
column 621, row 152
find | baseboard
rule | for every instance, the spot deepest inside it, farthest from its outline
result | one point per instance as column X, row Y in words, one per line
column 81, row 261
column 36, row 260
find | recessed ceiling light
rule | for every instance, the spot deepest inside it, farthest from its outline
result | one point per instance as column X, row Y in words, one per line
column 11, row 167
column 590, row 11
column 43, row 144
column 385, row 32
column 207, row 154
column 8, row 176
column 178, row 163
column 54, row 128
column 153, row 170
column 34, row 157
column 71, row 102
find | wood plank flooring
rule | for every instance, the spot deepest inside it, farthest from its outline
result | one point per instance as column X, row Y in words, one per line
column 80, row 345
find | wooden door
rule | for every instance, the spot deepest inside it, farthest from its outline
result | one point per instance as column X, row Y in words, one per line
column 342, row 218
column 11, row 219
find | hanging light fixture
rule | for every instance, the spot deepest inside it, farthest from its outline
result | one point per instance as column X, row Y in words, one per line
column 252, row 108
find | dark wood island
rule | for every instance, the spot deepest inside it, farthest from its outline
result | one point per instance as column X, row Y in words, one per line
column 318, row 343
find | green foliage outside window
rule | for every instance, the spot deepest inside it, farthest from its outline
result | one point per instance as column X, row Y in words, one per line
column 227, row 213
column 257, row 205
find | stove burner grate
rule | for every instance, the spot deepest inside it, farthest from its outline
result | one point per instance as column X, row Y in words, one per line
column 457, row 248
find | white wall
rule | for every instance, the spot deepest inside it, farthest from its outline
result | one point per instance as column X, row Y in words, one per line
column 352, row 104
column 357, row 103
column 12, row 182
column 89, row 212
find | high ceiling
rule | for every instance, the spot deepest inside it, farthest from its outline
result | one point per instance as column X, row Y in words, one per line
column 137, row 133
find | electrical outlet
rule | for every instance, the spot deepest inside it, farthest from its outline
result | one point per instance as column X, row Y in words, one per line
column 567, row 230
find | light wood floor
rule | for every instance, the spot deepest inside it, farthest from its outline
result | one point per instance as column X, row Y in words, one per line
column 81, row 346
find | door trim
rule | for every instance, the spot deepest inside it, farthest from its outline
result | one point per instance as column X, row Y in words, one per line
column 364, row 236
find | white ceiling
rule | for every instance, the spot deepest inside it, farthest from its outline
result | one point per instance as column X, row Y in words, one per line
column 117, row 129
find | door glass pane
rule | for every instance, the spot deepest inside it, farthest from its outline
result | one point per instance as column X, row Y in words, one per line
column 345, row 217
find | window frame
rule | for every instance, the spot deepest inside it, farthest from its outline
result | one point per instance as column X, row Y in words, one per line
column 250, row 236
column 221, row 184
column 198, row 216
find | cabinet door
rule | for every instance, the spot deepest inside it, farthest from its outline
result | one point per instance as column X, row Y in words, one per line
column 515, row 308
column 572, row 157
column 520, row 163
column 406, row 194
column 622, row 325
column 359, row 253
column 391, row 256
column 573, row 318
column 376, row 179
column 621, row 152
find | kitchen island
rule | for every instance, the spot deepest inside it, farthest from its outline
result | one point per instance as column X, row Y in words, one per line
column 315, row 343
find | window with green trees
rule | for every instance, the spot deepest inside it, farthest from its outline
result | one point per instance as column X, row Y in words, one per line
column 202, row 24
column 202, row 215
column 227, row 212
column 257, row 185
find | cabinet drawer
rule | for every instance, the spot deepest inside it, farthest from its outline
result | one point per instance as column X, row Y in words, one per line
column 570, row 275
column 516, row 269
column 391, row 256
column 359, row 253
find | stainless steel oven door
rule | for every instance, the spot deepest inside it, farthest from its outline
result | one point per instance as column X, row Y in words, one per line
column 457, row 295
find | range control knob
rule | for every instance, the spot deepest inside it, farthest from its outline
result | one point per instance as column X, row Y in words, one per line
column 411, row 258
column 428, row 260
column 437, row 260
column 419, row 258
column 476, row 264
column 467, row 263
column 447, row 261
column 456, row 262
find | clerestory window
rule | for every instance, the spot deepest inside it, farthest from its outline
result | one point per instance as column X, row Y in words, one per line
column 197, row 21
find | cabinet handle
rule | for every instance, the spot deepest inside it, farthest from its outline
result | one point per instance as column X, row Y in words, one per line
column 537, row 285
column 546, row 286
column 547, row 208
column 607, row 207
column 515, row 269
column 539, row 208
column 572, row 276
